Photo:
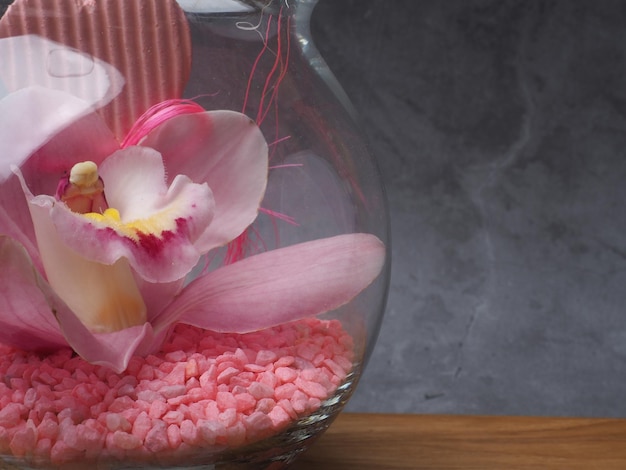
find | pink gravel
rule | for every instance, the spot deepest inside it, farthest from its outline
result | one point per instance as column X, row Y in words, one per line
column 203, row 390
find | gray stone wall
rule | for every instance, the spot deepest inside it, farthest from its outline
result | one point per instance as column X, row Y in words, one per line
column 500, row 129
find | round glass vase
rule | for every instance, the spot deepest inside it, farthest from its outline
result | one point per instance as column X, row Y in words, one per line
column 202, row 398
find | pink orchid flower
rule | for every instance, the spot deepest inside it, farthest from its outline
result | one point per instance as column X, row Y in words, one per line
column 101, row 225
column 98, row 259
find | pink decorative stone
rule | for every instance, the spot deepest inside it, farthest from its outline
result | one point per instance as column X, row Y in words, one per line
column 286, row 374
column 173, row 436
column 279, row 417
column 206, row 390
column 260, row 390
column 10, row 415
column 264, row 357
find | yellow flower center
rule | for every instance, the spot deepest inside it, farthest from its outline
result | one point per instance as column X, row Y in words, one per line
column 110, row 216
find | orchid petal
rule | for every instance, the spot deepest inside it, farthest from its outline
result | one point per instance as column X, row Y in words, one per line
column 113, row 350
column 51, row 110
column 86, row 138
column 66, row 137
column 104, row 297
column 225, row 149
column 280, row 286
column 158, row 226
column 111, row 30
column 27, row 303
column 15, row 220
column 28, row 307
column 67, row 130
column 31, row 60
column 158, row 295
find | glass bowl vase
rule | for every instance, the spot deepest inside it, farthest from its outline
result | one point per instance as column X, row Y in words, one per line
column 306, row 275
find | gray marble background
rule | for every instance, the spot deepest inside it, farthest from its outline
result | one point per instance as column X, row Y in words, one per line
column 500, row 128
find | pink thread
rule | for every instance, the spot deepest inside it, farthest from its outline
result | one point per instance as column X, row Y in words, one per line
column 157, row 115
column 278, row 141
column 237, row 249
column 283, row 71
column 255, row 65
column 287, row 165
column 278, row 215
column 277, row 60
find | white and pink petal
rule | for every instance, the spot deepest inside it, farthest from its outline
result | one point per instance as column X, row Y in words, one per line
column 157, row 228
column 30, row 60
column 227, row 150
column 15, row 220
column 28, row 305
column 104, row 297
column 66, row 130
column 157, row 295
column 280, row 286
column 112, row 350
column 42, row 115
column 100, row 49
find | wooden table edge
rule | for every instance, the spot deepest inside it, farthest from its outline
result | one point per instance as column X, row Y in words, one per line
column 394, row 441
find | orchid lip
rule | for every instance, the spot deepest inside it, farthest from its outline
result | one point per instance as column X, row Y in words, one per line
column 152, row 225
column 91, row 253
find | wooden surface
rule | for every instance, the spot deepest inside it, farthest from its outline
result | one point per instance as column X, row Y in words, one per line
column 378, row 441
